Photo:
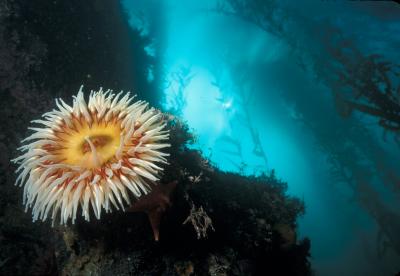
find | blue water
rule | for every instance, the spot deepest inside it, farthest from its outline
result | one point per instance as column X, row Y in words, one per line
column 202, row 45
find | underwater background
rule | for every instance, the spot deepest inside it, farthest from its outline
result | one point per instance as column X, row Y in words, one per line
column 287, row 112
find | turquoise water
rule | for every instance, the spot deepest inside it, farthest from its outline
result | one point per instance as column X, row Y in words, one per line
column 212, row 59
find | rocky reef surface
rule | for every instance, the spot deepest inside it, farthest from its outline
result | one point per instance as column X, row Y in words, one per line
column 212, row 222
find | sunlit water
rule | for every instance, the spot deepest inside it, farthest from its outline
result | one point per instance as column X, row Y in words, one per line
column 204, row 43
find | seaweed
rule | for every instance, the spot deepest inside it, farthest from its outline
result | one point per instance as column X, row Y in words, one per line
column 358, row 82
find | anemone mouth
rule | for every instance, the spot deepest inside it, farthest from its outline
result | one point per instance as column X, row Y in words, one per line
column 89, row 146
column 91, row 156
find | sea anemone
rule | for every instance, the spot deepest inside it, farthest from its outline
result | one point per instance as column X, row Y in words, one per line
column 100, row 154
